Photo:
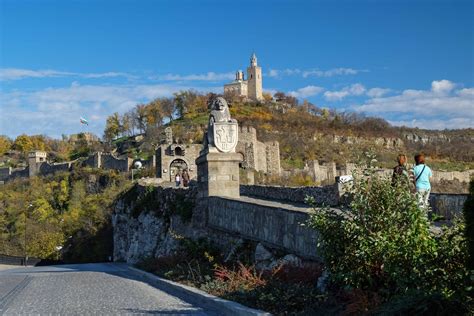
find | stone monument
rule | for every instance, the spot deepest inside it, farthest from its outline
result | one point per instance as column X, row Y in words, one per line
column 218, row 163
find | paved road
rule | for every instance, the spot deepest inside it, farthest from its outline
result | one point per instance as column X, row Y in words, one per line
column 85, row 289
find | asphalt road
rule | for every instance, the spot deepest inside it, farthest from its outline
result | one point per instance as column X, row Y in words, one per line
column 85, row 289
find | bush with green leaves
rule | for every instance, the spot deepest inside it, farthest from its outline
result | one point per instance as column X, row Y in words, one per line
column 468, row 212
column 383, row 242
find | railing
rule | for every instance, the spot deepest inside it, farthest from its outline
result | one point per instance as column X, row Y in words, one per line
column 18, row 261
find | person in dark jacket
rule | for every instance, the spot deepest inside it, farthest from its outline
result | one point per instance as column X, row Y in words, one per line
column 400, row 172
column 185, row 177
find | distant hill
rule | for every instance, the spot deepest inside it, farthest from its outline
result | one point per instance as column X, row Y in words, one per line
column 305, row 132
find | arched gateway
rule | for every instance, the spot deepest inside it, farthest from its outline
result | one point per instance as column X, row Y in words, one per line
column 177, row 165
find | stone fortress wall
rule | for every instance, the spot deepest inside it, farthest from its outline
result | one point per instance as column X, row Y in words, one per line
column 438, row 176
column 170, row 157
column 38, row 165
column 326, row 172
column 269, row 216
column 258, row 155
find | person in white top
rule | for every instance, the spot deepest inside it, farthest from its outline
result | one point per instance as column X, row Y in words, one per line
column 177, row 178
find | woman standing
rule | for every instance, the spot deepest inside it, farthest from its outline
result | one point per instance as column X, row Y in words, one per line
column 177, row 178
column 400, row 172
column 422, row 175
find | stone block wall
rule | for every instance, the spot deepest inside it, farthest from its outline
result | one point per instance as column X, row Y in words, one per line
column 258, row 155
column 463, row 176
column 154, row 231
column 247, row 134
column 276, row 226
column 20, row 173
column 93, row 160
column 108, row 161
column 273, row 157
column 324, row 195
column 5, row 173
column 447, row 205
column 47, row 168
column 166, row 154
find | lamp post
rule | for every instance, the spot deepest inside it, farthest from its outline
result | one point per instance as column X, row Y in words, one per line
column 136, row 167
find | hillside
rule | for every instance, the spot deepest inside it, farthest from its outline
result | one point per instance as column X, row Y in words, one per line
column 305, row 132
column 63, row 216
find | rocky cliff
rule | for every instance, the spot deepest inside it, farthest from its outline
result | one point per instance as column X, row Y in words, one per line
column 149, row 221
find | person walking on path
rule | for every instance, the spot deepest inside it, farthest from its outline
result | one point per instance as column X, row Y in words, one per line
column 400, row 172
column 177, row 178
column 422, row 175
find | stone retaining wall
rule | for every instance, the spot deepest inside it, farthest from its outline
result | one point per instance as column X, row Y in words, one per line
column 5, row 173
column 273, row 224
column 447, row 205
column 324, row 195
column 110, row 162
column 157, row 226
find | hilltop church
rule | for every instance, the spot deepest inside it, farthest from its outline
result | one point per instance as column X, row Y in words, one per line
column 250, row 88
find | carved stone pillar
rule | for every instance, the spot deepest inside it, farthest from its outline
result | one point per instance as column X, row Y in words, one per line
column 218, row 163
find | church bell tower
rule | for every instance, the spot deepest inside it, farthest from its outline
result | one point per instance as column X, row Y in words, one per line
column 254, row 77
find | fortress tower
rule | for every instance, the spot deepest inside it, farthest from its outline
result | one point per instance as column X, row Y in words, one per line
column 35, row 159
column 250, row 88
column 254, row 77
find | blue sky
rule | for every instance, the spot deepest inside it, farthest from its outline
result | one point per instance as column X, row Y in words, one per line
column 410, row 62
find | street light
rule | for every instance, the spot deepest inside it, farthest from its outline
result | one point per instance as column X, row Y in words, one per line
column 137, row 166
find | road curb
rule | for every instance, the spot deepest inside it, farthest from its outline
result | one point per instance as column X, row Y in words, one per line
column 221, row 305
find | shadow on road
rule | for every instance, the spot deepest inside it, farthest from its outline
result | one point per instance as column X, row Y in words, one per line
column 120, row 270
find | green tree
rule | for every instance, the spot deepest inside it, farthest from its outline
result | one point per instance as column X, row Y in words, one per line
column 112, row 127
column 383, row 243
column 40, row 142
column 469, row 217
column 23, row 143
column 140, row 117
column 168, row 107
column 5, row 144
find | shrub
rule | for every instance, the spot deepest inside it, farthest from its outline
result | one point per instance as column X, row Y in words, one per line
column 383, row 243
column 275, row 291
column 468, row 212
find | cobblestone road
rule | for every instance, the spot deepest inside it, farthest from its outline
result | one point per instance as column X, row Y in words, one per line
column 87, row 289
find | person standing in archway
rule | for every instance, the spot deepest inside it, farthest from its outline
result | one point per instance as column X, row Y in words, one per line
column 177, row 178
column 185, row 177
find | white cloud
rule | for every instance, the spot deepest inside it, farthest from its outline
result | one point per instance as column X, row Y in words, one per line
column 17, row 74
column 439, row 107
column 210, row 76
column 105, row 75
column 377, row 92
column 9, row 74
column 356, row 89
column 276, row 73
column 454, row 123
column 54, row 111
column 442, row 86
column 466, row 92
column 331, row 72
column 307, row 91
